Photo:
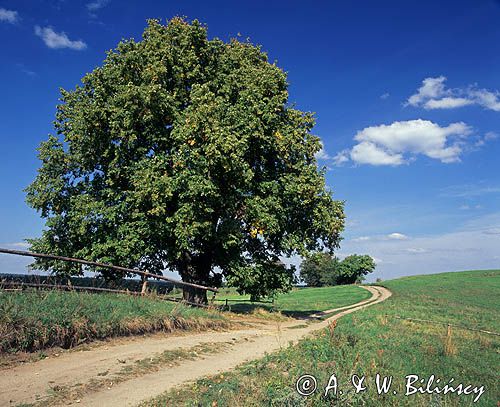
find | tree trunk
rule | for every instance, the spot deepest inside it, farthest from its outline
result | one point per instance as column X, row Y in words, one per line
column 197, row 271
column 194, row 295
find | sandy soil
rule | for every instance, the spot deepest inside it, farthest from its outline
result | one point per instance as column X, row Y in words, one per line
column 73, row 372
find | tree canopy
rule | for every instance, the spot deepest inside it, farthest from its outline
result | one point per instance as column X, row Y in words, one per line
column 319, row 269
column 354, row 268
column 322, row 269
column 183, row 152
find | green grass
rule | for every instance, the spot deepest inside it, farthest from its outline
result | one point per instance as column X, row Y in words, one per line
column 35, row 320
column 374, row 341
column 300, row 301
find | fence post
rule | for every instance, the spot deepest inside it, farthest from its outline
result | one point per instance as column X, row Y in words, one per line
column 144, row 286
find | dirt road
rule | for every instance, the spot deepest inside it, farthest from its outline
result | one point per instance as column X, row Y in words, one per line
column 124, row 373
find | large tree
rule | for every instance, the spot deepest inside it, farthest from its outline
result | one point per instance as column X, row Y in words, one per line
column 183, row 152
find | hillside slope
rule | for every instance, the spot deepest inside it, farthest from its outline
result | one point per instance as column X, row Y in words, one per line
column 377, row 340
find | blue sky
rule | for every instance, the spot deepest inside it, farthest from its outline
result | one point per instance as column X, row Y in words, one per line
column 406, row 96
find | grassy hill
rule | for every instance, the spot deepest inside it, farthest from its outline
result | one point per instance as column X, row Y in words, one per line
column 381, row 339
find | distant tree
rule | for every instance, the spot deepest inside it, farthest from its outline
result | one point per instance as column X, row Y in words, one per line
column 354, row 268
column 184, row 152
column 319, row 269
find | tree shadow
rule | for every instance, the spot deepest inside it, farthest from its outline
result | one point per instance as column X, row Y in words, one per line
column 248, row 308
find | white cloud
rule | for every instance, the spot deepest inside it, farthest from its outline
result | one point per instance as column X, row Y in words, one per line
column 341, row 158
column 447, row 103
column 416, row 250
column 385, row 96
column 391, row 236
column 58, row 40
column 431, row 88
column 361, row 239
column 433, row 94
column 94, row 6
column 9, row 16
column 322, row 154
column 399, row 143
column 370, row 153
column 397, row 236
column 489, row 136
column 487, row 99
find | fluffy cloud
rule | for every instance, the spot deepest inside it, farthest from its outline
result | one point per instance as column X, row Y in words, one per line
column 399, row 142
column 370, row 153
column 433, row 94
column 8, row 16
column 58, row 40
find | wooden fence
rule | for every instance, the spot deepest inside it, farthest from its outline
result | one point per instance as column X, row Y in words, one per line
column 123, row 270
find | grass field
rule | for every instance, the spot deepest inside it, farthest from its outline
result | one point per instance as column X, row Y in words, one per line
column 374, row 341
column 35, row 320
column 300, row 301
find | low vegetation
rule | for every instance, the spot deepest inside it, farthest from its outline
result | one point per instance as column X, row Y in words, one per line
column 299, row 301
column 34, row 320
column 379, row 339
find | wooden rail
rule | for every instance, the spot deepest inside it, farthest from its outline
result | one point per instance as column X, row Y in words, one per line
column 19, row 286
column 227, row 300
column 446, row 323
column 109, row 266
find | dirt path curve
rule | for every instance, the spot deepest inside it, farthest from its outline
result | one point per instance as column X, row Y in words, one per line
column 74, row 371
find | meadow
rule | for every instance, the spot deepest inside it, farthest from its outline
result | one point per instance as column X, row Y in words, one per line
column 299, row 302
column 34, row 320
column 380, row 339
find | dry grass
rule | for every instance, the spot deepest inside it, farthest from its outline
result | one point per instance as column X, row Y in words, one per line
column 31, row 321
column 449, row 348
